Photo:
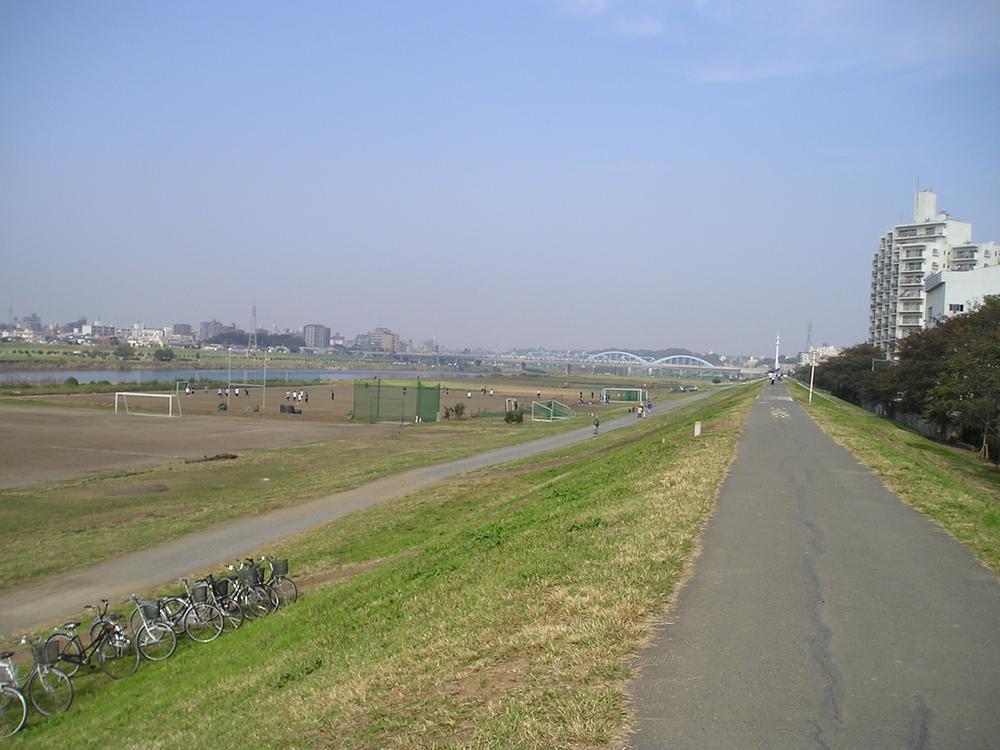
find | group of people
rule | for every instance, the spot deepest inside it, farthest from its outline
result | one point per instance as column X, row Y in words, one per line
column 300, row 396
column 224, row 392
column 643, row 410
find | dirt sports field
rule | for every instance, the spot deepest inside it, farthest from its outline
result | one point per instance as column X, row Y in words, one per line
column 41, row 444
column 48, row 443
column 321, row 407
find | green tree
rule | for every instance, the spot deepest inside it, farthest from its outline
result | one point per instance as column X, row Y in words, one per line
column 124, row 351
column 852, row 375
column 967, row 388
column 163, row 355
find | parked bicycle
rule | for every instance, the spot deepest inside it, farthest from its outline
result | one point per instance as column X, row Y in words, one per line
column 256, row 599
column 13, row 706
column 48, row 688
column 276, row 577
column 154, row 637
column 114, row 648
column 218, row 594
column 192, row 612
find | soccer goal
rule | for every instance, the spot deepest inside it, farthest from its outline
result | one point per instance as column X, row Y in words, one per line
column 550, row 411
column 148, row 404
column 510, row 404
column 624, row 395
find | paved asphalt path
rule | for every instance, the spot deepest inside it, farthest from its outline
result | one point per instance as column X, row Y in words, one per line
column 50, row 598
column 822, row 613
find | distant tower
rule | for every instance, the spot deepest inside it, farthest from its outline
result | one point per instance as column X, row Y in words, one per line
column 252, row 341
column 809, row 335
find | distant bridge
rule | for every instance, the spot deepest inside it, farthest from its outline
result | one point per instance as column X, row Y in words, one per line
column 615, row 358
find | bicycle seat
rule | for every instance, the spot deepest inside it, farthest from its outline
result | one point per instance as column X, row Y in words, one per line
column 6, row 654
column 71, row 625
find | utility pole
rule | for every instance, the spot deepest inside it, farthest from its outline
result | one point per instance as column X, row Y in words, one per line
column 812, row 374
column 252, row 339
column 777, row 343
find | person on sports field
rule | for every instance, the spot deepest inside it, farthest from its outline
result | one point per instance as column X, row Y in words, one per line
column 597, row 423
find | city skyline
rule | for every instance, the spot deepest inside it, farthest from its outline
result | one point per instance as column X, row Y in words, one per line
column 565, row 174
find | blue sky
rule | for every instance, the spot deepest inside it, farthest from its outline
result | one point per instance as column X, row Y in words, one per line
column 542, row 173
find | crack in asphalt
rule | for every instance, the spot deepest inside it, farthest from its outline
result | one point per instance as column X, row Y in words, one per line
column 922, row 741
column 819, row 645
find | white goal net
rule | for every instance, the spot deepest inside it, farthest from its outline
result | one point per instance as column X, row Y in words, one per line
column 148, row 404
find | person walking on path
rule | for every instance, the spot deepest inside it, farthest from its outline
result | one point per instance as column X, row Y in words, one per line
column 597, row 423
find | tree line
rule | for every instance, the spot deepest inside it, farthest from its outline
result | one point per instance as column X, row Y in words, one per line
column 949, row 374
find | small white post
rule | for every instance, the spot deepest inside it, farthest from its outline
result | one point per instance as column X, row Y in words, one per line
column 697, row 429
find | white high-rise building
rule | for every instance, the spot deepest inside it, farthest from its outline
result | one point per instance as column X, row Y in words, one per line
column 906, row 256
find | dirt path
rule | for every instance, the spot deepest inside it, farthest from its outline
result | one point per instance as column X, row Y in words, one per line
column 62, row 595
column 823, row 613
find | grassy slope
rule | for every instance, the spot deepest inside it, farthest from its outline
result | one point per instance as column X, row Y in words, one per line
column 495, row 611
column 948, row 484
column 63, row 524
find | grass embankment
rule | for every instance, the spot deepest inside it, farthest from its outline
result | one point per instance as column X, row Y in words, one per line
column 494, row 610
column 61, row 525
column 950, row 485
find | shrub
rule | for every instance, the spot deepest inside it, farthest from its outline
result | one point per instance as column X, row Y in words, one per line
column 71, row 381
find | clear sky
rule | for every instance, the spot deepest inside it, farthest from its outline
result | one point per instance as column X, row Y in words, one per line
column 559, row 173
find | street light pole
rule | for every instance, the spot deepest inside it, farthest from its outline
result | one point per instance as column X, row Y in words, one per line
column 229, row 382
column 812, row 375
column 263, row 404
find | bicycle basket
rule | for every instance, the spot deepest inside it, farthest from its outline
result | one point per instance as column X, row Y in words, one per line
column 281, row 567
column 46, row 654
column 149, row 610
column 247, row 576
column 199, row 594
column 220, row 587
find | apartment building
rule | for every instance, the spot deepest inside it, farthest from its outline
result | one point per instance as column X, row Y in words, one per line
column 316, row 336
column 907, row 254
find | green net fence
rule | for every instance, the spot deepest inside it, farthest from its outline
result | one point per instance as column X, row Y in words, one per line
column 624, row 395
column 375, row 401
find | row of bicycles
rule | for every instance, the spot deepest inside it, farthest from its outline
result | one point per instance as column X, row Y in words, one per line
column 117, row 645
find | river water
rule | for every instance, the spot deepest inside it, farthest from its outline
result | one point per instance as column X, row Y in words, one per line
column 239, row 375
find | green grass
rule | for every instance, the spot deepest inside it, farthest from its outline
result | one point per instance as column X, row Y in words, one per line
column 960, row 492
column 61, row 525
column 495, row 610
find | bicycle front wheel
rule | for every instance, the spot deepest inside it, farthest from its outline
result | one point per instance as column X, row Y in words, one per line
column 203, row 622
column 50, row 691
column 232, row 611
column 70, row 652
column 288, row 592
column 156, row 641
column 118, row 656
column 13, row 710
column 254, row 602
